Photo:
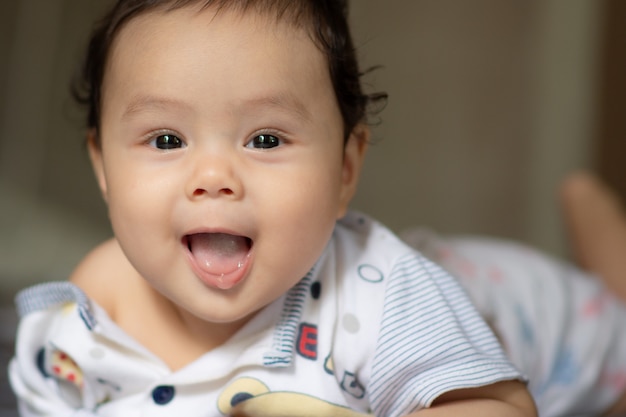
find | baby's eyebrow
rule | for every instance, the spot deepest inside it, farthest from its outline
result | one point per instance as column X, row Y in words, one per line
column 282, row 102
column 143, row 103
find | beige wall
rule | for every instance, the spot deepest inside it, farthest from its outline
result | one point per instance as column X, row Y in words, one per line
column 490, row 104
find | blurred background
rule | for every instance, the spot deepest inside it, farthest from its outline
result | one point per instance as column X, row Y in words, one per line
column 491, row 103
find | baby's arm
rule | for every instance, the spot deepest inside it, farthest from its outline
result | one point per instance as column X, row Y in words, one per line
column 507, row 398
column 596, row 223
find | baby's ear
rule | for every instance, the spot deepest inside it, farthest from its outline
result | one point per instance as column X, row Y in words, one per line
column 354, row 155
column 95, row 155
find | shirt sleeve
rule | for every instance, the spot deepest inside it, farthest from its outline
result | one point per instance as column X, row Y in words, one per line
column 38, row 392
column 431, row 341
column 45, row 380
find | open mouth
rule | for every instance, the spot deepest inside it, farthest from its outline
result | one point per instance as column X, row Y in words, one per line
column 218, row 254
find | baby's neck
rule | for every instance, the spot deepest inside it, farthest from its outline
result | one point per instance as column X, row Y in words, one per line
column 172, row 334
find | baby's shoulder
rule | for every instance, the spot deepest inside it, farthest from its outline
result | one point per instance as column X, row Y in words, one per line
column 99, row 272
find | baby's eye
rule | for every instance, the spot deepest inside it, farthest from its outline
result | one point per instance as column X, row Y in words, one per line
column 264, row 141
column 167, row 141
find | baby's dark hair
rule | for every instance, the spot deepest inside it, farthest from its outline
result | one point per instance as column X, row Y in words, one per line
column 325, row 20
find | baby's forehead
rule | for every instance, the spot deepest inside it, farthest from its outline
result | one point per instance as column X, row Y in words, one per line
column 215, row 19
column 187, row 54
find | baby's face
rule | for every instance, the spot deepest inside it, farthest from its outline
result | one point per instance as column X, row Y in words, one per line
column 222, row 157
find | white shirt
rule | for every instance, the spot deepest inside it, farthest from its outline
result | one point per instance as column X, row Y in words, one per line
column 374, row 327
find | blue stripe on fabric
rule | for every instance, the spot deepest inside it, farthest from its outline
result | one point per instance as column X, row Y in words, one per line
column 479, row 372
column 53, row 294
column 429, row 332
column 277, row 359
column 284, row 341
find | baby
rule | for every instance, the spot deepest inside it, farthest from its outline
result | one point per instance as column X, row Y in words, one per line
column 227, row 139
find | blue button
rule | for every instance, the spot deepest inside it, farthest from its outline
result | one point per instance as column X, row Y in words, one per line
column 163, row 394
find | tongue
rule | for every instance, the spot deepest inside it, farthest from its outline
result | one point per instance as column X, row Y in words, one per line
column 219, row 253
